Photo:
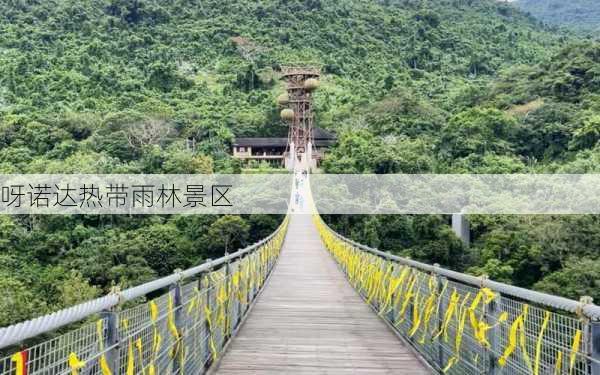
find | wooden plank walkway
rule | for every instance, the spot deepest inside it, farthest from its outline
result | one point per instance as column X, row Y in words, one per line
column 309, row 320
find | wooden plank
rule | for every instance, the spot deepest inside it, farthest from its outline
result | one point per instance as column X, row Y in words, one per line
column 309, row 320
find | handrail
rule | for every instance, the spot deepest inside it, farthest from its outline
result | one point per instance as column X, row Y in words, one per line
column 19, row 332
column 589, row 310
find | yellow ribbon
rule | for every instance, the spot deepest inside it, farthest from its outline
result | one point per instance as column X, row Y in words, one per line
column 211, row 342
column 416, row 318
column 156, row 339
column 558, row 365
column 462, row 312
column 75, row 364
column 479, row 326
column 130, row 360
column 19, row 361
column 104, row 367
column 538, row 345
column 523, row 339
column 393, row 286
column 516, row 328
column 138, row 345
column 407, row 297
column 427, row 312
column 171, row 319
column 574, row 350
column 454, row 299
column 153, row 311
column 235, row 279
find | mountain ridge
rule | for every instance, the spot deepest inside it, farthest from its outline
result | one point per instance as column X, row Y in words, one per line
column 582, row 15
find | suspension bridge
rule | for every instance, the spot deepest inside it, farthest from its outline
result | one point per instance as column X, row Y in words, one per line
column 306, row 300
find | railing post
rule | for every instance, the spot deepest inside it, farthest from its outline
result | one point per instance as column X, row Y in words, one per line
column 441, row 312
column 342, row 266
column 595, row 347
column 204, row 283
column 250, row 294
column 265, row 270
column 381, row 303
column 393, row 307
column 411, row 306
column 244, row 304
column 492, row 316
column 256, row 276
column 228, row 311
column 111, row 340
column 175, row 289
column 238, row 303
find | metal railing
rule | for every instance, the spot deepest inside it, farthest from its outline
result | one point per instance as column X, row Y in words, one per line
column 183, row 331
column 462, row 324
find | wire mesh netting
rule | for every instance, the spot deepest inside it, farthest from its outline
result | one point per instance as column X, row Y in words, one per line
column 465, row 329
column 459, row 328
column 182, row 331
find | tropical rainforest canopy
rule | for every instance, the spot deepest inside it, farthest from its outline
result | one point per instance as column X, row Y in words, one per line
column 408, row 86
column 581, row 15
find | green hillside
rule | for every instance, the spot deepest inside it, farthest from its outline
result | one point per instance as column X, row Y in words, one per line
column 408, row 86
column 125, row 60
column 582, row 15
column 541, row 118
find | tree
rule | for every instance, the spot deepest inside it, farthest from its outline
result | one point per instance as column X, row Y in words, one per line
column 40, row 137
column 163, row 247
column 586, row 161
column 108, row 260
column 477, row 131
column 588, row 135
column 149, row 132
column 489, row 164
column 228, row 233
column 362, row 152
column 79, row 125
column 18, row 301
column 76, row 289
column 185, row 162
column 579, row 277
column 547, row 131
column 261, row 226
column 79, row 162
column 495, row 270
column 128, row 10
column 10, row 233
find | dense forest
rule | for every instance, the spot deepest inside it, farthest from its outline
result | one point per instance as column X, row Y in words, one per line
column 582, row 15
column 408, row 86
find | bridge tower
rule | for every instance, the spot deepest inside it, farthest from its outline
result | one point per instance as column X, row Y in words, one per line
column 301, row 82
